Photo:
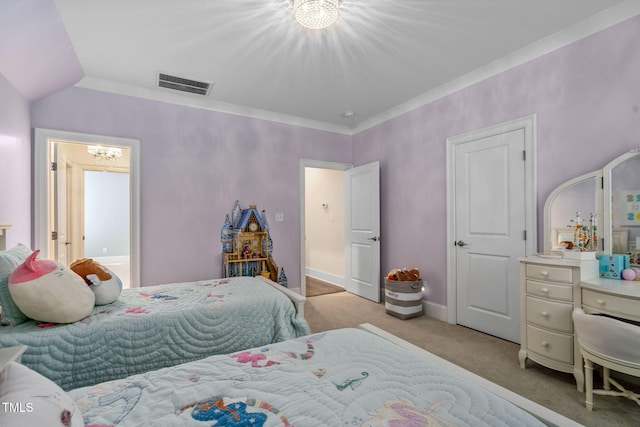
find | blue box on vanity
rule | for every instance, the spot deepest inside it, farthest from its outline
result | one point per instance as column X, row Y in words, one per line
column 611, row 266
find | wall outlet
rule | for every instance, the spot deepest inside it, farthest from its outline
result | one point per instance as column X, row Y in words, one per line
column 279, row 216
column 105, row 250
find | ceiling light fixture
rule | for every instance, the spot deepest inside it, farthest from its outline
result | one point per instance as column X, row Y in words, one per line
column 316, row 14
column 108, row 154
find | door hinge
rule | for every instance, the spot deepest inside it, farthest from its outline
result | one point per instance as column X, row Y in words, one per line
column 54, row 235
column 602, row 182
column 524, row 155
column 524, row 233
column 54, row 166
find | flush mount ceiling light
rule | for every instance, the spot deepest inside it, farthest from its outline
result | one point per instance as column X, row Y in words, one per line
column 316, row 14
column 100, row 153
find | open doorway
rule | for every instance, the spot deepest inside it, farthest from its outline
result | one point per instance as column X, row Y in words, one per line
column 324, row 231
column 322, row 225
column 361, row 238
column 106, row 221
column 88, row 207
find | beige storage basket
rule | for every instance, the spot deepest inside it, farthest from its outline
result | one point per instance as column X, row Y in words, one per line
column 403, row 299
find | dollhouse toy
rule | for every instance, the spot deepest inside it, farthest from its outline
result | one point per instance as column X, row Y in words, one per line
column 245, row 245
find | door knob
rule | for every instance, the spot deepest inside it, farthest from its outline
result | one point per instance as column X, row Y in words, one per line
column 461, row 243
column 374, row 238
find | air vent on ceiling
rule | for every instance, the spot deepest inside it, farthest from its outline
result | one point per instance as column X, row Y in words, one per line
column 183, row 85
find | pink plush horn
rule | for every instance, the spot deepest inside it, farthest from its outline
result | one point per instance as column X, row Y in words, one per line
column 32, row 268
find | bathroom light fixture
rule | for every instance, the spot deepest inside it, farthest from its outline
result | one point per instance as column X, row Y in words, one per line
column 108, row 154
column 316, row 14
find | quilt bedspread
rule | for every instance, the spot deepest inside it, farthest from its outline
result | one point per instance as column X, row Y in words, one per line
column 337, row 378
column 157, row 326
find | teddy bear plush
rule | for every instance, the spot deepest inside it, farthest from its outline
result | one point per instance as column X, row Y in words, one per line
column 104, row 284
column 47, row 291
column 404, row 275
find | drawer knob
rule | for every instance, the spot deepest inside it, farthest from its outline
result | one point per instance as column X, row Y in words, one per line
column 545, row 314
column 544, row 273
column 545, row 290
column 600, row 301
column 545, row 344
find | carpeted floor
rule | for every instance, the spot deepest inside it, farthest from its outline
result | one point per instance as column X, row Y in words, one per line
column 490, row 357
column 317, row 287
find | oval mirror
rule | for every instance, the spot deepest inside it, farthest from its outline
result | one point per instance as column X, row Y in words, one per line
column 622, row 205
column 579, row 196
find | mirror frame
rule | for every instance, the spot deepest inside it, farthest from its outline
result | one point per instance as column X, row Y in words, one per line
column 608, row 196
column 547, row 229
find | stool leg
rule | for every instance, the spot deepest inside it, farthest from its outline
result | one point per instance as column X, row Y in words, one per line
column 605, row 378
column 588, row 379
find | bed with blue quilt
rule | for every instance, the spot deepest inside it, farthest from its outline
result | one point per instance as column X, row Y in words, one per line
column 158, row 326
column 342, row 377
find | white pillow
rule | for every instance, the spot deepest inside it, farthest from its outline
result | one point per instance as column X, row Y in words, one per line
column 28, row 399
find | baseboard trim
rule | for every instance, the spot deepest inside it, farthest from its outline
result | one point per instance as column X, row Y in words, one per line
column 334, row 279
column 431, row 309
column 436, row 311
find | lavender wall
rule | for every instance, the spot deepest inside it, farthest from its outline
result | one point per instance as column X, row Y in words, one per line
column 586, row 97
column 194, row 165
column 15, row 164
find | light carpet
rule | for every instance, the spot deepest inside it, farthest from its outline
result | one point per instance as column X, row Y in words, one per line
column 490, row 357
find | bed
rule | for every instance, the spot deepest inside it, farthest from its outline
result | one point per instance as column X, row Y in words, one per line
column 356, row 377
column 158, row 326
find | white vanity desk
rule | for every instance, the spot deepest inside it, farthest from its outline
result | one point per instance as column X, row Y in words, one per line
column 617, row 298
column 551, row 288
column 549, row 291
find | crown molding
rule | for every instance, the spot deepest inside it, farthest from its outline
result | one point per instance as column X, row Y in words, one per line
column 104, row 85
column 589, row 26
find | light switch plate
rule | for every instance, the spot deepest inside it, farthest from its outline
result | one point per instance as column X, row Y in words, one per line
column 279, row 216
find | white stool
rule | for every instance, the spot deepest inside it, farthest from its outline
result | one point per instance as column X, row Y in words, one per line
column 612, row 344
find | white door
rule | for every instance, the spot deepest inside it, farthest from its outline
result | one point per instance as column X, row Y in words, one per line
column 490, row 231
column 60, row 240
column 362, row 231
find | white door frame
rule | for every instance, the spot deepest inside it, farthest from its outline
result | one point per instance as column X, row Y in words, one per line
column 529, row 125
column 305, row 163
column 41, row 182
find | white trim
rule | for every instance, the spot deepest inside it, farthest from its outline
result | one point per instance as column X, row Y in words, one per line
column 564, row 37
column 544, row 414
column 41, row 184
column 334, row 279
column 204, row 103
column 436, row 311
column 529, row 125
column 306, row 163
column 589, row 26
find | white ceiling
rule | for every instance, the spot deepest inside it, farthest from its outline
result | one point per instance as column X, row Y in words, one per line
column 379, row 56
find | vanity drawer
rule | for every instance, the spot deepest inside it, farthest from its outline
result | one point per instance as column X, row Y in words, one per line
column 550, row 314
column 627, row 308
column 550, row 290
column 552, row 345
column 546, row 272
